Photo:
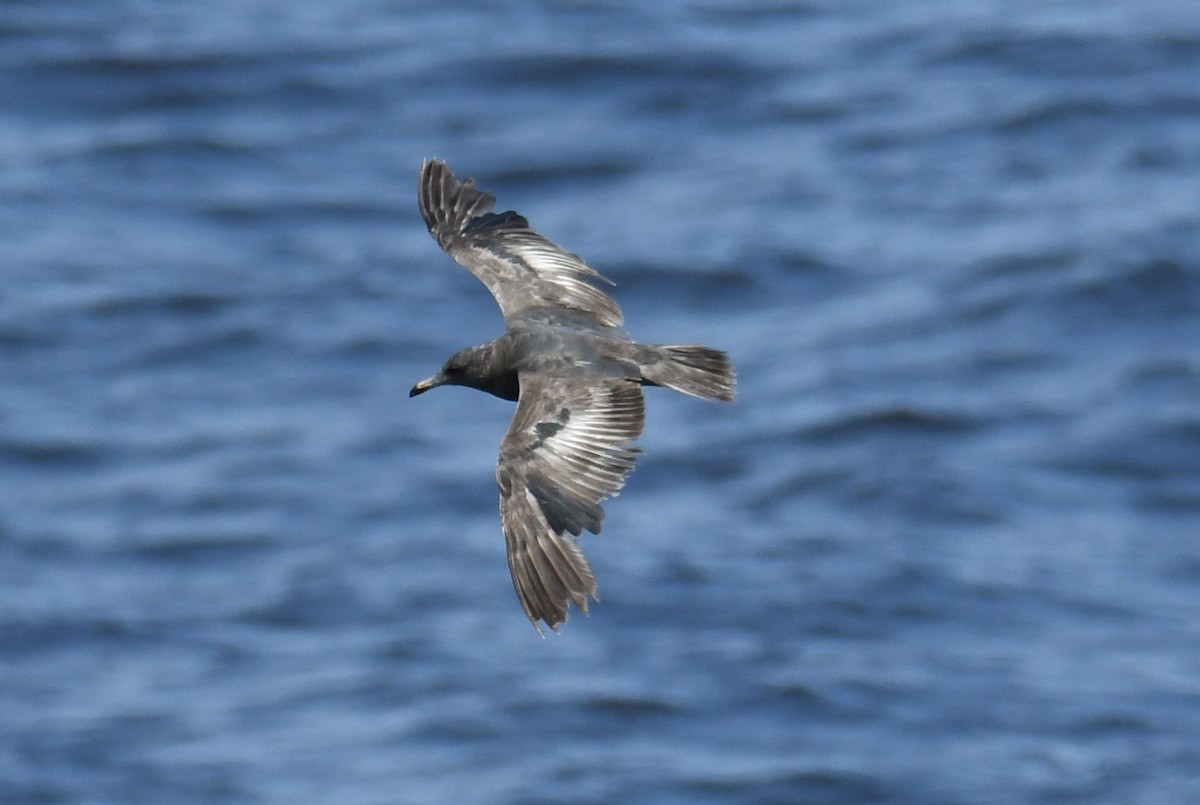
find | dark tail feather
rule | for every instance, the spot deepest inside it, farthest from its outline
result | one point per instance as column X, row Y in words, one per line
column 699, row 371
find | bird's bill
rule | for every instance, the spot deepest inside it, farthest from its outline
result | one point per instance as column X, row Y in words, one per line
column 425, row 385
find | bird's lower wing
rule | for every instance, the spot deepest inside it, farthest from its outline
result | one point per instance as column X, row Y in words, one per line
column 569, row 447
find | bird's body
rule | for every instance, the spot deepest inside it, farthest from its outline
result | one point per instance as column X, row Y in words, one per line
column 577, row 378
column 551, row 346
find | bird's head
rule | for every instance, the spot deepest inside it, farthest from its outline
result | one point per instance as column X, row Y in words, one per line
column 467, row 367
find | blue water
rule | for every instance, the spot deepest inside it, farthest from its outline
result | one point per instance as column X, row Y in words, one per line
column 944, row 549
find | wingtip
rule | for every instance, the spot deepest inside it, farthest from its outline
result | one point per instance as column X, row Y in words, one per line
column 539, row 621
column 556, row 620
column 449, row 205
column 427, row 166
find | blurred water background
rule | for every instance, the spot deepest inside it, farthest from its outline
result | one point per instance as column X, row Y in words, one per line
column 943, row 550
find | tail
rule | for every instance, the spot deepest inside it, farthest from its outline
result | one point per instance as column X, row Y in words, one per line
column 695, row 370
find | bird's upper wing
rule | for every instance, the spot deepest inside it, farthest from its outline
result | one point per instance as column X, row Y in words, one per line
column 568, row 448
column 521, row 268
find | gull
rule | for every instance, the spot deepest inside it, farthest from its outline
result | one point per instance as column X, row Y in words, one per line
column 576, row 377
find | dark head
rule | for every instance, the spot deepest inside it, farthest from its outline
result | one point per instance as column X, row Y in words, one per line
column 475, row 367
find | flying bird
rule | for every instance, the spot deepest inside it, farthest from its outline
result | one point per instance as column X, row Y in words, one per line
column 576, row 377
